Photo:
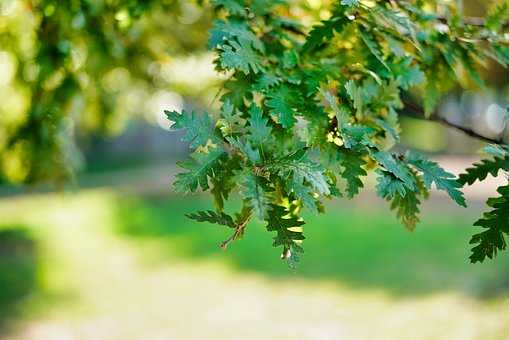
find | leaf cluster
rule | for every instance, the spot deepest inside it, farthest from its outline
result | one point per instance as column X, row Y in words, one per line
column 308, row 112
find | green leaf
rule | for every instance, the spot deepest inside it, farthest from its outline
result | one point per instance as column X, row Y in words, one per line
column 198, row 126
column 242, row 58
column 252, row 154
column 353, row 169
column 396, row 167
column 237, row 31
column 332, row 101
column 396, row 46
column 254, row 192
column 258, row 128
column 265, row 7
column 432, row 95
column 353, row 135
column 290, row 59
column 357, row 135
column 319, row 33
column 492, row 240
column 470, row 66
column 484, row 168
column 288, row 232
column 279, row 102
column 296, row 167
column 238, row 89
column 373, row 47
column 303, row 178
column 403, row 200
column 231, row 122
column 408, row 74
column 267, row 81
column 390, row 126
column 201, row 166
column 234, row 31
column 223, row 181
column 355, row 93
column 237, row 46
column 324, row 32
column 305, row 195
column 389, row 185
column 394, row 22
column 213, row 217
column 407, row 208
column 433, row 173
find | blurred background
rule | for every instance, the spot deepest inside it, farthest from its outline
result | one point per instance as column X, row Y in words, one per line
column 104, row 251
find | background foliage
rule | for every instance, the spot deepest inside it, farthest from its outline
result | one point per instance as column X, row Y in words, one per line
column 82, row 67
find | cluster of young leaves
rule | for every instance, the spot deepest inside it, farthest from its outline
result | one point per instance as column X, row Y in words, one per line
column 307, row 112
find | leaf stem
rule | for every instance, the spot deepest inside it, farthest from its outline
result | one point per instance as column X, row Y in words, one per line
column 239, row 231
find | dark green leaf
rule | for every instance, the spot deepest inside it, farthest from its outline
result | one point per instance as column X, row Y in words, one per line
column 492, row 240
column 484, row 168
column 258, row 128
column 254, row 192
column 396, row 167
column 279, row 101
column 213, row 217
column 353, row 170
column 433, row 173
column 198, row 126
column 288, row 232
column 200, row 167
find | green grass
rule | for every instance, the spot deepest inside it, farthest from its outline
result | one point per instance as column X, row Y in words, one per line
column 361, row 245
column 102, row 264
column 18, row 269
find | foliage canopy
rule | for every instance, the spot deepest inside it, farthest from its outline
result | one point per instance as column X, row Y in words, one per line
column 310, row 106
column 308, row 111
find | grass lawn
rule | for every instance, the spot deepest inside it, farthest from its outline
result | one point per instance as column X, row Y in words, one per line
column 104, row 264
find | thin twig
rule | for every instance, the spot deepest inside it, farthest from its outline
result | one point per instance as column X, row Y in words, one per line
column 472, row 21
column 468, row 131
column 239, row 231
column 412, row 110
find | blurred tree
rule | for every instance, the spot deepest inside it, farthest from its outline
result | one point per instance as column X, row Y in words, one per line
column 91, row 64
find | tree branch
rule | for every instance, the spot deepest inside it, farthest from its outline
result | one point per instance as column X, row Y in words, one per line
column 414, row 111
column 472, row 21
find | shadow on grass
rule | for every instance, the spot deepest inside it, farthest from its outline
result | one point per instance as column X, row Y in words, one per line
column 362, row 246
column 18, row 271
